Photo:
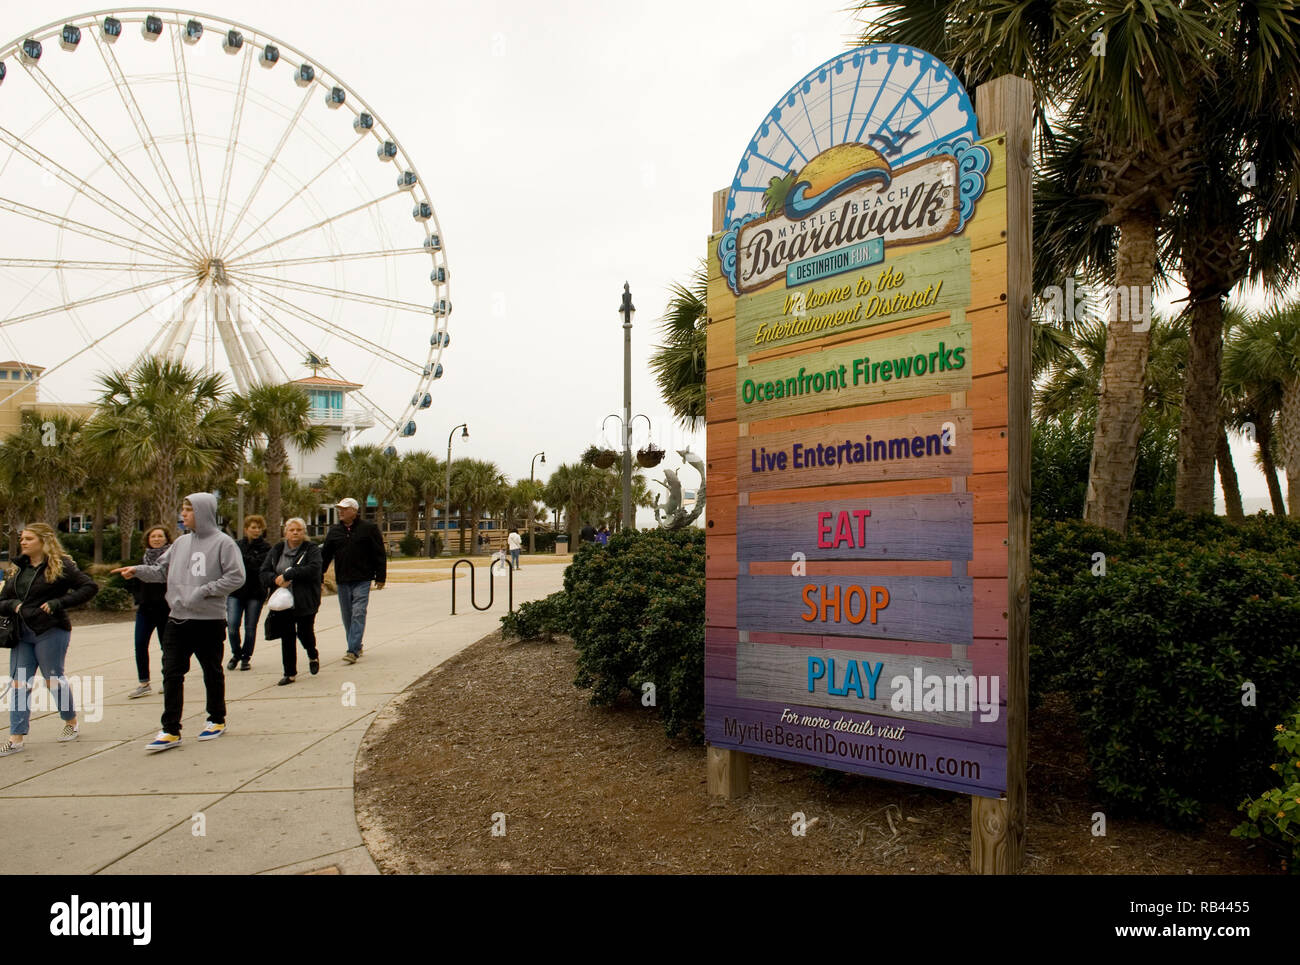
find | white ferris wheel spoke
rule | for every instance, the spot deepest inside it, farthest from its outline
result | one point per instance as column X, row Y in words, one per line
column 84, row 189
column 328, row 327
column 58, row 263
column 235, row 122
column 306, row 350
column 302, row 286
column 69, row 111
column 36, row 214
column 147, row 140
column 297, row 194
column 90, row 300
column 191, row 141
column 320, row 259
column 324, row 223
column 92, row 344
column 266, row 168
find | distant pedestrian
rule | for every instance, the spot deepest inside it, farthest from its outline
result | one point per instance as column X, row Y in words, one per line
column 151, row 609
column 201, row 569
column 602, row 537
column 516, row 544
column 42, row 585
column 587, row 534
column 294, row 562
column 356, row 549
column 246, row 602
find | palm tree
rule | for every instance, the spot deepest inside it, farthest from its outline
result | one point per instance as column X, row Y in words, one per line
column 1240, row 215
column 278, row 413
column 1243, row 217
column 1262, row 357
column 476, row 487
column 426, row 477
column 1070, row 387
column 679, row 364
column 48, row 448
column 168, row 422
column 580, row 490
column 21, row 496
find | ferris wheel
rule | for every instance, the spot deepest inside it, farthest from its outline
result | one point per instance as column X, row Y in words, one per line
column 176, row 184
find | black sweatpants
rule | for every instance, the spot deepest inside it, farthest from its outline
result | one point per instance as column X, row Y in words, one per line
column 206, row 640
column 304, row 628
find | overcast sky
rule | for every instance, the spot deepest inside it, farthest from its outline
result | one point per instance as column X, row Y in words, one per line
column 567, row 147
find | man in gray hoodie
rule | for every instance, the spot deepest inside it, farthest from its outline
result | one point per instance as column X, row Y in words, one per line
column 201, row 569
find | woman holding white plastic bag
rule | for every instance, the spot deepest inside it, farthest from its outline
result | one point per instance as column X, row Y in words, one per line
column 294, row 564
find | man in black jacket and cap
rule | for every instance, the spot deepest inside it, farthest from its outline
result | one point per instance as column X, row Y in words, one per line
column 356, row 549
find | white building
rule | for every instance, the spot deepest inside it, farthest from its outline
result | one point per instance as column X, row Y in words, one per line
column 329, row 408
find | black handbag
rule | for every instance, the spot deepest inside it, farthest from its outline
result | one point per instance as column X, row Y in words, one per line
column 8, row 631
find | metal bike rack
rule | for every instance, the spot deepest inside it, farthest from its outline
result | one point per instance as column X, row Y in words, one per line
column 473, row 599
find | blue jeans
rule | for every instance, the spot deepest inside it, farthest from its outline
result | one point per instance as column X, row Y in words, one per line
column 250, row 610
column 47, row 651
column 354, row 598
column 514, row 556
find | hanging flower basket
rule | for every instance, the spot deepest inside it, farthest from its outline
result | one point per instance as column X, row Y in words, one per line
column 604, row 458
column 650, row 456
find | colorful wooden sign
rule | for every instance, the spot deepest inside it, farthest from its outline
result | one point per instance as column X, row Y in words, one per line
column 860, row 507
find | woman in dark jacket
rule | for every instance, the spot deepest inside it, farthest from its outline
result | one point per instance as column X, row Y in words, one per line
column 246, row 602
column 295, row 562
column 151, row 609
column 42, row 586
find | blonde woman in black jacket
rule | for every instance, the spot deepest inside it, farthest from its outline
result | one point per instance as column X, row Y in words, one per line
column 43, row 585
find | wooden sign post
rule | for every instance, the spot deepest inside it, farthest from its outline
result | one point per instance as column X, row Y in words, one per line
column 868, row 435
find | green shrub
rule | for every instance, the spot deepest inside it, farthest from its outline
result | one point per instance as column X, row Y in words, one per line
column 545, row 542
column 411, row 545
column 1275, row 815
column 636, row 615
column 1155, row 653
column 112, row 598
column 538, row 619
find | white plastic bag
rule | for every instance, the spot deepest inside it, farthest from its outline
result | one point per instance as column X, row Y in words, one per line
column 281, row 599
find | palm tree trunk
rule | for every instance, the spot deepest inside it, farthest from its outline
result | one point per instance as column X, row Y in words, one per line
column 1228, row 476
column 575, row 528
column 1123, row 378
column 274, row 507
column 1264, row 439
column 166, row 502
column 1201, row 422
column 52, row 503
column 1289, row 442
column 97, row 528
column 126, row 526
column 15, row 527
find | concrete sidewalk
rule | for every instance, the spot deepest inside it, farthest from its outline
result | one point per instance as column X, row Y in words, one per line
column 275, row 793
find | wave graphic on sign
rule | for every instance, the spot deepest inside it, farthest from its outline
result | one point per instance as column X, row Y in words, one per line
column 797, row 206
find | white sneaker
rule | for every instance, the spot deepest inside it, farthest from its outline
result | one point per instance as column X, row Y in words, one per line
column 9, row 747
column 69, row 733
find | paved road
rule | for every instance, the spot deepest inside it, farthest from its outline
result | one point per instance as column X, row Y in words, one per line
column 274, row 794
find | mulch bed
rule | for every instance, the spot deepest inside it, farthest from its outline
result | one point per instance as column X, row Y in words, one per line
column 501, row 730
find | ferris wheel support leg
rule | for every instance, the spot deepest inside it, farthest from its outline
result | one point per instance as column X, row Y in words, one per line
column 178, row 338
column 235, row 353
column 265, row 365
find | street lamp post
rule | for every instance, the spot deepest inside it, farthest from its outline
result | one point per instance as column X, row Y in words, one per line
column 532, row 539
column 627, row 310
column 446, row 520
